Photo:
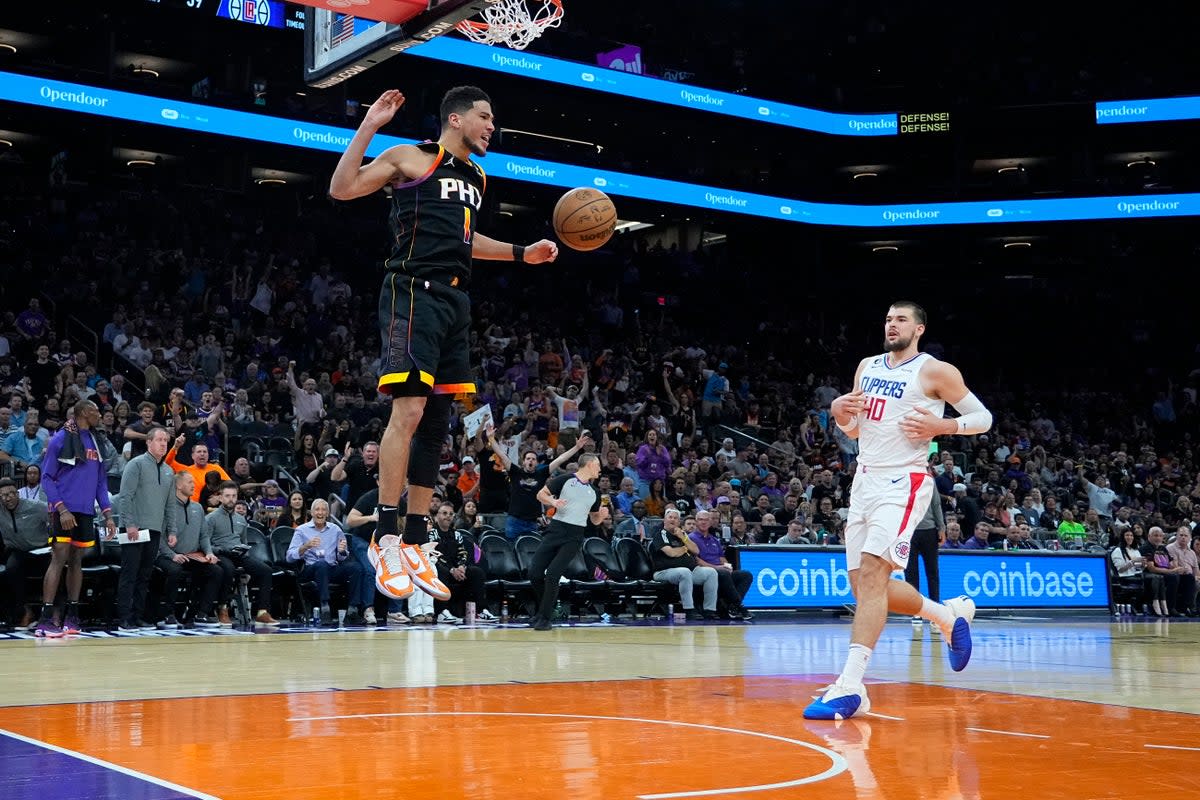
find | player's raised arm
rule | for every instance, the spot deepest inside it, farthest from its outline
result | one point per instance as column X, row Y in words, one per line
column 352, row 178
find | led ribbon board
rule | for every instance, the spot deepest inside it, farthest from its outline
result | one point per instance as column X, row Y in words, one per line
column 656, row 90
column 1166, row 109
column 294, row 133
column 787, row 577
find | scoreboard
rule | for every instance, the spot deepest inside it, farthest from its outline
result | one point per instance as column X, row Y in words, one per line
column 263, row 13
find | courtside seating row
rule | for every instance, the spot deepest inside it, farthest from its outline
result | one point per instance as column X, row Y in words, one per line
column 616, row 577
column 102, row 569
column 600, row 577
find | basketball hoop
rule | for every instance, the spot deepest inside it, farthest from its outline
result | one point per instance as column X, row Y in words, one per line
column 509, row 22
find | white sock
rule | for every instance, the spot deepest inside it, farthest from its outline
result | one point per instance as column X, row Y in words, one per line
column 856, row 665
column 937, row 613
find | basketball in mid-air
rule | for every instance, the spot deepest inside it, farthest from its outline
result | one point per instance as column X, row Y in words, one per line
column 584, row 218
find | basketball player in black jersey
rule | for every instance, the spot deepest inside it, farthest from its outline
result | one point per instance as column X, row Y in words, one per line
column 424, row 310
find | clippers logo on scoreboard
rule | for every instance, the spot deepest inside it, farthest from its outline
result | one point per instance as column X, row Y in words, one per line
column 263, row 13
column 255, row 12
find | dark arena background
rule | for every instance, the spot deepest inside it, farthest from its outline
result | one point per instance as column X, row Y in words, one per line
column 783, row 172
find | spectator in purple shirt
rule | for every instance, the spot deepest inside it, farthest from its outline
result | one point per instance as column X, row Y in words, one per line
column 732, row 584
column 653, row 461
column 518, row 375
column 953, row 537
column 270, row 505
column 32, row 323
column 772, row 489
column 979, row 541
column 74, row 479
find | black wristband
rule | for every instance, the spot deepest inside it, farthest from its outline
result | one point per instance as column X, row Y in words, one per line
column 518, row 253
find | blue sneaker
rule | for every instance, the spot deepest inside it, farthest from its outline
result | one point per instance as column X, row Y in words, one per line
column 839, row 702
column 959, row 638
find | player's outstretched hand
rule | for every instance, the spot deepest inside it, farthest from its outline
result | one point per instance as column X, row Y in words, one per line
column 541, row 252
column 383, row 109
column 848, row 405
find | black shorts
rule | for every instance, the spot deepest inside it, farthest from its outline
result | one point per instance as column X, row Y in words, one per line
column 425, row 328
column 82, row 535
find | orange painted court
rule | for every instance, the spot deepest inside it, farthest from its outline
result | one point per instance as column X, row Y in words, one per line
column 609, row 712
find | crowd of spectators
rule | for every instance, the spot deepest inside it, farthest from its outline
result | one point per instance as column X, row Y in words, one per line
column 249, row 332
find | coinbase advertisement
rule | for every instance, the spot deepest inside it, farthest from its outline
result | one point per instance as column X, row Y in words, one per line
column 295, row 133
column 794, row 578
column 584, row 76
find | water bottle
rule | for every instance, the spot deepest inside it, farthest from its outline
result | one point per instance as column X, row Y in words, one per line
column 605, row 618
column 316, row 619
column 504, row 612
column 670, row 613
column 469, row 617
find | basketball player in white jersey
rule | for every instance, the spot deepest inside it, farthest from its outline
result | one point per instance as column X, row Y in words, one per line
column 894, row 411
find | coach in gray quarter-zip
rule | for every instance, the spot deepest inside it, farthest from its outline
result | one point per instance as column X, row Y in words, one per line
column 182, row 556
column 225, row 532
column 24, row 525
column 147, row 490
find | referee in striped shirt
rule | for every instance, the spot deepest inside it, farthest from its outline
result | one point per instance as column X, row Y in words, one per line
column 575, row 502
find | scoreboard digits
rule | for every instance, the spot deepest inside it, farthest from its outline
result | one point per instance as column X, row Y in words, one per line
column 264, row 13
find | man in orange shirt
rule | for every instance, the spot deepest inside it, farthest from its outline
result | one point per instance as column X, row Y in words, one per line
column 199, row 466
column 550, row 364
column 468, row 479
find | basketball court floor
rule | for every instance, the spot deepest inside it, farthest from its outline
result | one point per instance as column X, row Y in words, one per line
column 1048, row 708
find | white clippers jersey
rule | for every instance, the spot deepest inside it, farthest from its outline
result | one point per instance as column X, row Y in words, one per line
column 892, row 393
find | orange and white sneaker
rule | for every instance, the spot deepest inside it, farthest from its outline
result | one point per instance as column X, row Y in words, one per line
column 422, row 572
column 391, row 577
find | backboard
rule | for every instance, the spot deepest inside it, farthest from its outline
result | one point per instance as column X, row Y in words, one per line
column 342, row 38
column 339, row 45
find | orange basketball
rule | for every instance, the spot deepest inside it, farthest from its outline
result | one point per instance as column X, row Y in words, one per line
column 584, row 218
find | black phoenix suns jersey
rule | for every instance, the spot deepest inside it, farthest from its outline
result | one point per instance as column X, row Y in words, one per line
column 433, row 217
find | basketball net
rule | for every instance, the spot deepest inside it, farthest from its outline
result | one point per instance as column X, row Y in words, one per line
column 509, row 22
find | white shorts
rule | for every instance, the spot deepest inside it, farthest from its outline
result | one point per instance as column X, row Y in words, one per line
column 885, row 508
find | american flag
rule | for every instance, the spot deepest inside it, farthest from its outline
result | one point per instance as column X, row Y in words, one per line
column 341, row 29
